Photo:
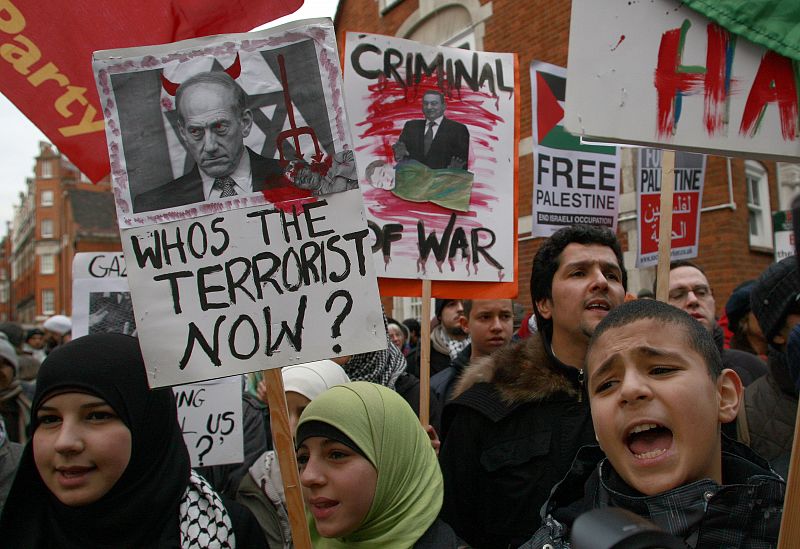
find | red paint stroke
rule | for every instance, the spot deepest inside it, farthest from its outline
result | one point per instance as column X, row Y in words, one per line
column 672, row 82
column 621, row 40
column 718, row 62
column 774, row 83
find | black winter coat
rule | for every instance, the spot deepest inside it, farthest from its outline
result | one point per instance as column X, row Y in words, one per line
column 510, row 433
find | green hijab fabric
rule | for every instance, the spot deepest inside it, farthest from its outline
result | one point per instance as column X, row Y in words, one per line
column 408, row 495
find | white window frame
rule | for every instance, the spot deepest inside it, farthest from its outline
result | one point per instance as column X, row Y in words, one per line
column 47, row 169
column 46, row 228
column 47, row 198
column 386, row 5
column 759, row 223
column 48, row 308
column 47, row 264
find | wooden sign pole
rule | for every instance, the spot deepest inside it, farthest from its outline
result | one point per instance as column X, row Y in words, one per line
column 665, row 224
column 284, row 448
column 425, row 356
column 790, row 523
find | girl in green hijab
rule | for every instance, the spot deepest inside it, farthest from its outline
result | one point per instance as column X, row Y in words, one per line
column 369, row 473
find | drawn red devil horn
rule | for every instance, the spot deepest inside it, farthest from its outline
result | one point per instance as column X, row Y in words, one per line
column 170, row 87
column 233, row 71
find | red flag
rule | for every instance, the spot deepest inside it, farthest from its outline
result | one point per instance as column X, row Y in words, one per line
column 46, row 56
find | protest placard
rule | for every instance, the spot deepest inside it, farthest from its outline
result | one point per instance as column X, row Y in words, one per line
column 660, row 74
column 440, row 199
column 101, row 301
column 210, row 413
column 280, row 133
column 254, row 288
column 241, row 218
column 686, row 204
column 573, row 183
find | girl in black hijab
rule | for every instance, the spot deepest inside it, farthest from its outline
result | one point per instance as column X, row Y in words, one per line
column 107, row 465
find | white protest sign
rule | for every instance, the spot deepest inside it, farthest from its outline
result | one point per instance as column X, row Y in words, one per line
column 253, row 289
column 573, row 183
column 280, row 132
column 687, row 201
column 210, row 415
column 659, row 73
column 237, row 194
column 440, row 198
column 101, row 300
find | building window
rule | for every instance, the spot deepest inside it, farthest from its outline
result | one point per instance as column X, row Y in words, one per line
column 47, row 228
column 386, row 5
column 4, row 292
column 47, row 198
column 48, row 302
column 47, row 168
column 758, row 205
column 47, row 264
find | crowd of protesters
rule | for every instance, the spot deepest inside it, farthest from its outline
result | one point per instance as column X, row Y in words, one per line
column 593, row 400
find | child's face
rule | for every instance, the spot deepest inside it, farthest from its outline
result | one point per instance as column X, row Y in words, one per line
column 655, row 408
column 383, row 177
column 296, row 404
column 338, row 485
column 81, row 447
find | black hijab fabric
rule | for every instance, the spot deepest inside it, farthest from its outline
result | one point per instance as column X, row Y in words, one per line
column 141, row 509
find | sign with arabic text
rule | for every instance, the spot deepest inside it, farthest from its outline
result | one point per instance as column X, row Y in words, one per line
column 686, row 204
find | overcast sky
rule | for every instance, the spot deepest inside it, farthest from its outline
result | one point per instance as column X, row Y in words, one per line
column 19, row 140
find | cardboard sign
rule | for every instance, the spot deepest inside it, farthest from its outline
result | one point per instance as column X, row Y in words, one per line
column 573, row 183
column 210, row 415
column 661, row 74
column 439, row 198
column 253, row 289
column 242, row 222
column 101, row 300
column 279, row 132
column 686, row 204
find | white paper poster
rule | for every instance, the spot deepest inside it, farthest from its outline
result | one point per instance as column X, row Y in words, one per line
column 433, row 129
column 573, row 183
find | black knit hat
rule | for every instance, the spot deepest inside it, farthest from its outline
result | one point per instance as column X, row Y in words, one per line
column 774, row 294
column 441, row 304
column 738, row 304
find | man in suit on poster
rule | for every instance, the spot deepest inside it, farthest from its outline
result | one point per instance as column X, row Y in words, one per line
column 213, row 122
column 436, row 141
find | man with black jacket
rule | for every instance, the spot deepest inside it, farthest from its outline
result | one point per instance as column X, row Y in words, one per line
column 518, row 418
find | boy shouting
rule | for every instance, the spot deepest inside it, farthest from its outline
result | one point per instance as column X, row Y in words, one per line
column 658, row 396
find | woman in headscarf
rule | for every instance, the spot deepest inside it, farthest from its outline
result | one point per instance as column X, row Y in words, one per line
column 261, row 490
column 370, row 476
column 107, row 465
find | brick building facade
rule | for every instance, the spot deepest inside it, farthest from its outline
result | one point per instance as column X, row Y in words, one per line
column 60, row 213
column 739, row 194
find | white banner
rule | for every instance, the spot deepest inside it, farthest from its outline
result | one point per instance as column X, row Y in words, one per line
column 660, row 74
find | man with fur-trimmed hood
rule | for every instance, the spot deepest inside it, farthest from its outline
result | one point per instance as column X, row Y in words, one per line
column 518, row 417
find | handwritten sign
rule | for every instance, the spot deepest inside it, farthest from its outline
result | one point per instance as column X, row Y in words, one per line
column 686, row 205
column 660, row 74
column 783, row 234
column 573, row 183
column 210, row 415
column 439, row 198
column 253, row 289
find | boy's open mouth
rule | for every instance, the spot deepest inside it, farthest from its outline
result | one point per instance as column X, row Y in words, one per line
column 648, row 440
